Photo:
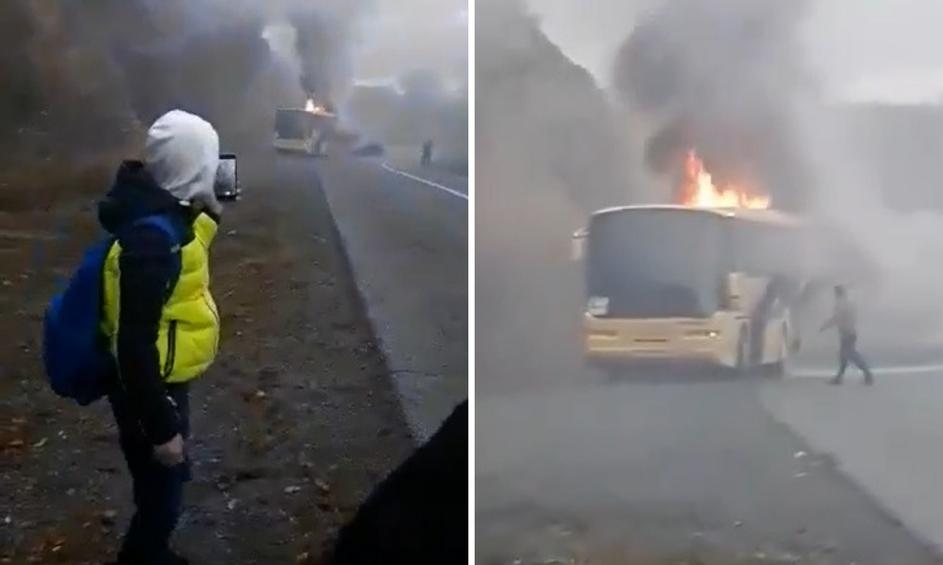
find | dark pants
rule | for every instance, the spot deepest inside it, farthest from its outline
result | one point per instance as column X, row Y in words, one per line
column 848, row 353
column 158, row 490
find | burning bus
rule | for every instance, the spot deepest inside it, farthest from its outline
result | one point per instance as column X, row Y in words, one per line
column 713, row 279
column 306, row 131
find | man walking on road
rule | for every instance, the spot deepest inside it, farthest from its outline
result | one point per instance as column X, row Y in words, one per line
column 159, row 317
column 426, row 158
column 845, row 319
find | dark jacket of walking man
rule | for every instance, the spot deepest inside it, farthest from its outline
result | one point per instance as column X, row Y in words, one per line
column 160, row 317
column 845, row 320
column 426, row 158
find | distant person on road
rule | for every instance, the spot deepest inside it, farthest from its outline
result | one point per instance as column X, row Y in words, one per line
column 160, row 317
column 426, row 159
column 845, row 319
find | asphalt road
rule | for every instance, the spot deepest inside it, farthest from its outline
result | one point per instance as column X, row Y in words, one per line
column 886, row 438
column 684, row 468
column 572, row 468
column 405, row 231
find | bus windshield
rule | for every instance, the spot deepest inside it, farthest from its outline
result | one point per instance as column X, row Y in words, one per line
column 293, row 124
column 656, row 263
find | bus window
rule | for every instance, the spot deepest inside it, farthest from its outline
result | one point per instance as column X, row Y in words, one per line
column 655, row 264
column 292, row 125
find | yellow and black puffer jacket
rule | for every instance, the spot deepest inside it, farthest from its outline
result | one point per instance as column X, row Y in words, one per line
column 188, row 330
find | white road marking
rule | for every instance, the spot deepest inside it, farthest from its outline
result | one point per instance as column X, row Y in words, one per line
column 445, row 189
column 903, row 370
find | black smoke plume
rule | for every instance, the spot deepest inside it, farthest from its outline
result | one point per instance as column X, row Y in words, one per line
column 720, row 77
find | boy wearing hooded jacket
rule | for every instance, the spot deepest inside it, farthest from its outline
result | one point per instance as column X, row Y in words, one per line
column 160, row 317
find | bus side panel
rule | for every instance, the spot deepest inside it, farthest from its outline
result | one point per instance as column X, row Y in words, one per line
column 730, row 324
column 774, row 346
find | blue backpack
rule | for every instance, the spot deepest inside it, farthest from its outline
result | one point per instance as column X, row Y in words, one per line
column 76, row 355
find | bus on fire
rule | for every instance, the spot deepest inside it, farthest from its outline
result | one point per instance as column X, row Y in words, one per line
column 684, row 283
column 304, row 131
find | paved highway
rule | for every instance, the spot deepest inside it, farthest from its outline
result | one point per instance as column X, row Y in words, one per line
column 724, row 471
column 405, row 230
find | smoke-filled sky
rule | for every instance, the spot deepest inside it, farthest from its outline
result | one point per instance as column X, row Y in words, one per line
column 388, row 38
column 401, row 35
column 888, row 50
column 843, row 167
column 378, row 39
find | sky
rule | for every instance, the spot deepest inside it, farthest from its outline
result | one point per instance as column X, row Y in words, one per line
column 866, row 50
column 401, row 35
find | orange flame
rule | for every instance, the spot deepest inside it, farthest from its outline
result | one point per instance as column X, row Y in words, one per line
column 700, row 191
column 310, row 106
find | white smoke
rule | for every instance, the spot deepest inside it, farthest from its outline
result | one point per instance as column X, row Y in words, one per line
column 282, row 37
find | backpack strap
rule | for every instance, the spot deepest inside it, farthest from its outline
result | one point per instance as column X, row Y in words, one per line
column 164, row 223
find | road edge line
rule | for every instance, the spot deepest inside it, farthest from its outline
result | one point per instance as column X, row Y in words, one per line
column 899, row 370
column 445, row 189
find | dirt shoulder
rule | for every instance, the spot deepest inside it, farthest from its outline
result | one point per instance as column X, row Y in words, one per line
column 293, row 426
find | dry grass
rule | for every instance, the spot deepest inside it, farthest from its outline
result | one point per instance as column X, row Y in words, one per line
column 41, row 186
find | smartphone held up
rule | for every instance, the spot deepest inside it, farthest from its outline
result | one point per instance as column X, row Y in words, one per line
column 226, row 185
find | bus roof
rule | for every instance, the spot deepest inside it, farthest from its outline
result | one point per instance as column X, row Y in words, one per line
column 774, row 217
column 317, row 113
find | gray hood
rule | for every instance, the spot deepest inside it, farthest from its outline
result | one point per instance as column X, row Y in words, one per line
column 182, row 155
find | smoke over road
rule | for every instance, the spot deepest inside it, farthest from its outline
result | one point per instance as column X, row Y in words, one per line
column 223, row 60
column 731, row 78
column 127, row 61
column 547, row 155
column 736, row 80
